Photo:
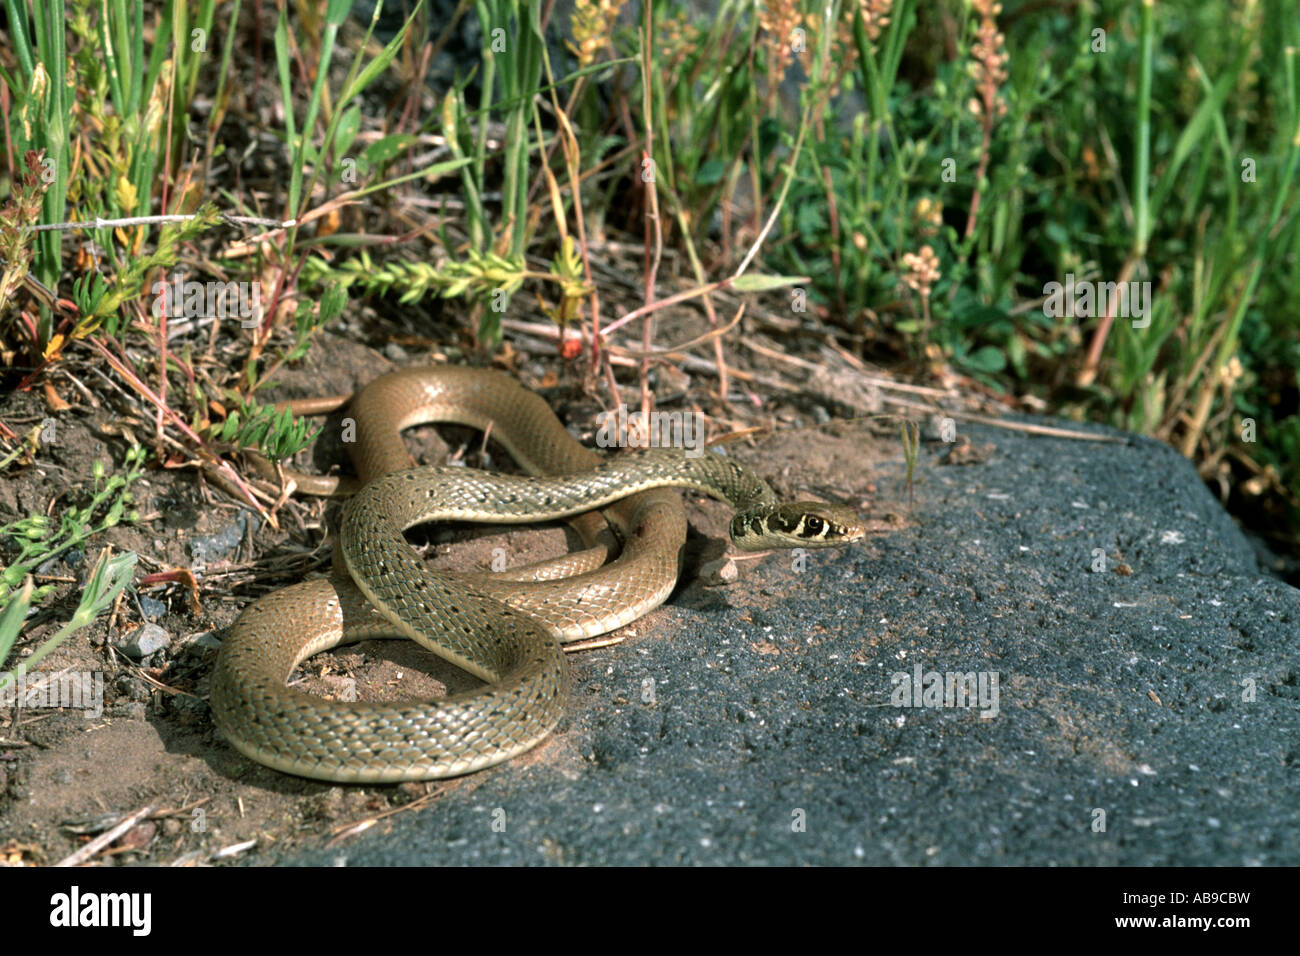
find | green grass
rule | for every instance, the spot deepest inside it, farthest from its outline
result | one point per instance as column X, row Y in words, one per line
column 37, row 539
column 1171, row 158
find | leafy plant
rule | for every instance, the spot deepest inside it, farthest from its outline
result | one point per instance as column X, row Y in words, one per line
column 39, row 538
column 275, row 433
column 107, row 580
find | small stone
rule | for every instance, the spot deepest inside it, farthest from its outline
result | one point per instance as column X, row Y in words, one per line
column 143, row 641
column 139, row 836
column 152, row 609
column 670, row 383
column 199, row 642
column 721, row 571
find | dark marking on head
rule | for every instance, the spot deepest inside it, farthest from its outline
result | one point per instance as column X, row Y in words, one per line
column 785, row 523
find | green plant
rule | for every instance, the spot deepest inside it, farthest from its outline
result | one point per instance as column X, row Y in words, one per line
column 276, row 434
column 107, row 580
column 40, row 537
column 43, row 93
column 16, row 219
column 1002, row 161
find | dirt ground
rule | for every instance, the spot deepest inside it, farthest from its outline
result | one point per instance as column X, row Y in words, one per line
column 150, row 762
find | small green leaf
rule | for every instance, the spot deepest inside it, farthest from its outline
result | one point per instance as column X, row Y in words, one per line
column 382, row 152
column 108, row 579
column 337, row 12
column 349, row 125
column 987, row 359
column 711, row 172
column 810, row 221
column 765, row 283
column 11, row 622
column 379, row 63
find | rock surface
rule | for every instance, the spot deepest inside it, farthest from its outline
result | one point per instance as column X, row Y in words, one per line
column 1147, row 706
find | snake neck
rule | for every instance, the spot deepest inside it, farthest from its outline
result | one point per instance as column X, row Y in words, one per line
column 707, row 473
column 436, row 493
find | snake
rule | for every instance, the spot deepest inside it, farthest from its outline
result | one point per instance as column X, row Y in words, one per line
column 508, row 630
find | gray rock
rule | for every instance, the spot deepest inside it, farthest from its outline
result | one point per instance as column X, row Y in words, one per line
column 215, row 547
column 1145, row 711
column 151, row 608
column 199, row 642
column 143, row 641
column 721, row 571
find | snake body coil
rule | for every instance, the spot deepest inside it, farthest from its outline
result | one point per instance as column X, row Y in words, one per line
column 502, row 629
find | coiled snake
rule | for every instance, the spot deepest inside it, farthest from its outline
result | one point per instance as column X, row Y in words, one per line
column 501, row 628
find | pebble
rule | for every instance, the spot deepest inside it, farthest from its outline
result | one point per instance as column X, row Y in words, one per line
column 200, row 641
column 151, row 608
column 721, row 571
column 143, row 641
column 216, row 546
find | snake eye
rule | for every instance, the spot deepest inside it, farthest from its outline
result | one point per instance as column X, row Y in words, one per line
column 814, row 525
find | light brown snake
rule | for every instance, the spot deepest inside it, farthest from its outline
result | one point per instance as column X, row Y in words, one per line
column 505, row 630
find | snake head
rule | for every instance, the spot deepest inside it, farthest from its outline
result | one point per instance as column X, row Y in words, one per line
column 797, row 524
